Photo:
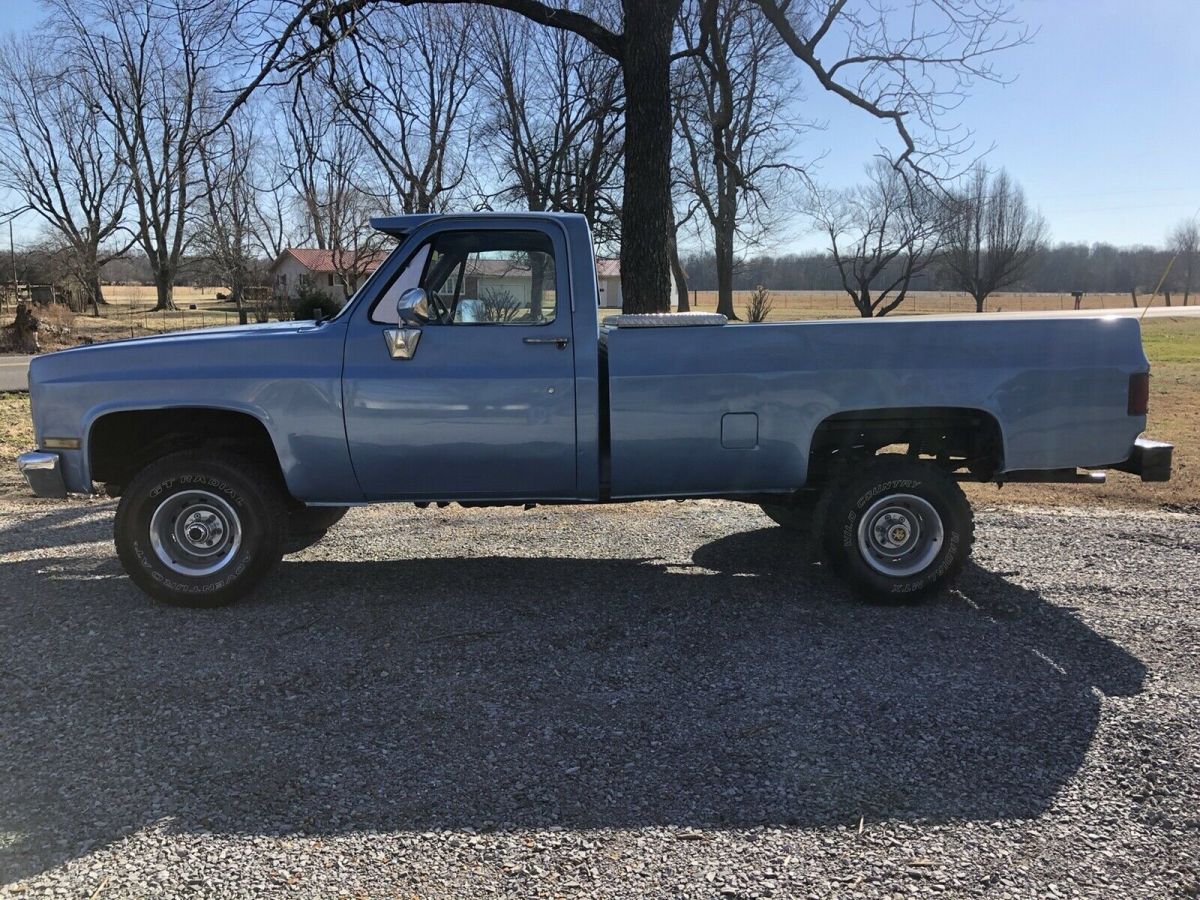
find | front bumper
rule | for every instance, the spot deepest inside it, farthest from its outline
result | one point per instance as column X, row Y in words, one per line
column 43, row 473
column 1150, row 459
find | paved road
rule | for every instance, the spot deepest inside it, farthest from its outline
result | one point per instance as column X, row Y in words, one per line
column 14, row 373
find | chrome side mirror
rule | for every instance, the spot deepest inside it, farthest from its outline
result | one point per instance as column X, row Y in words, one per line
column 412, row 311
column 412, row 308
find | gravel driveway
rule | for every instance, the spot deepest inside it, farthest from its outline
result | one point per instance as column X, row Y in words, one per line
column 653, row 700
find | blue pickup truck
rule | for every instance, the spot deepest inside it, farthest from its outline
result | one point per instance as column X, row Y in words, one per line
column 472, row 367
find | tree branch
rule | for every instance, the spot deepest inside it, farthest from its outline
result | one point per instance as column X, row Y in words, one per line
column 586, row 27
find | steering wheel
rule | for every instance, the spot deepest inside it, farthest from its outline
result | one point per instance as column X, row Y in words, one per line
column 441, row 314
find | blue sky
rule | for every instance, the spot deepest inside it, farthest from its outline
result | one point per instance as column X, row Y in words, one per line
column 1101, row 124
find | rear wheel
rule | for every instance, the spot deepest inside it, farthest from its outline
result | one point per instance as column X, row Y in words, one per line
column 200, row 529
column 897, row 529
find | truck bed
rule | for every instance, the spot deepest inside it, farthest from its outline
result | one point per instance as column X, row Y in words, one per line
column 737, row 405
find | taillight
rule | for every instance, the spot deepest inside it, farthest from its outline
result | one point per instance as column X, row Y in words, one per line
column 1139, row 394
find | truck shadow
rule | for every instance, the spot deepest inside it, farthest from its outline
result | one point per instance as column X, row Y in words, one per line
column 744, row 689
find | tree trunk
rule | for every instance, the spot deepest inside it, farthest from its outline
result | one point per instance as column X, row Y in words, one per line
column 1167, row 297
column 647, row 217
column 93, row 294
column 25, row 328
column 724, row 252
column 863, row 302
column 165, row 292
column 537, row 273
column 237, row 293
column 980, row 300
column 681, row 289
column 1133, row 294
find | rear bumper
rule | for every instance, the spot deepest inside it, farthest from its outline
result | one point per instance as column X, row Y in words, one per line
column 1151, row 460
column 43, row 473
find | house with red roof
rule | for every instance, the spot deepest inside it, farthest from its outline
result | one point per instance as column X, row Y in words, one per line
column 308, row 268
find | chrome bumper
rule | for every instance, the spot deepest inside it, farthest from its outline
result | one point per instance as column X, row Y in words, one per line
column 43, row 473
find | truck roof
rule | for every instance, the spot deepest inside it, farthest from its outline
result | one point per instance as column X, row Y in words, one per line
column 399, row 226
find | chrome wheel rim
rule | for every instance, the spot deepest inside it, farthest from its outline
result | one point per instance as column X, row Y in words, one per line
column 195, row 533
column 900, row 535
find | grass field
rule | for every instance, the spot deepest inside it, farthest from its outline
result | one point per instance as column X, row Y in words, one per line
column 1173, row 346
column 129, row 313
column 834, row 304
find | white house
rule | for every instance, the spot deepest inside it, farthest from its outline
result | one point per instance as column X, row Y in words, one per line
column 608, row 277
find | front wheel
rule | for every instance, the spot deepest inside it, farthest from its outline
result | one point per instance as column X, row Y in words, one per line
column 199, row 529
column 898, row 529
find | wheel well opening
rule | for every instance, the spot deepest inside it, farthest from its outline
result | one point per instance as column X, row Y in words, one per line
column 954, row 438
column 121, row 444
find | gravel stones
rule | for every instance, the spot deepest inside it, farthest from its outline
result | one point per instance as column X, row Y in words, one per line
column 667, row 700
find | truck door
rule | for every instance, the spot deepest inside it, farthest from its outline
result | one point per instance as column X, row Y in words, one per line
column 484, row 406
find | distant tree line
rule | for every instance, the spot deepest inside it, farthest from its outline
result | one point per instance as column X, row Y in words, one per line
column 1060, row 268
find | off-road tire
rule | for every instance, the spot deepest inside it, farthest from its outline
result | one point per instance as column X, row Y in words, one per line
column 250, row 492
column 937, row 502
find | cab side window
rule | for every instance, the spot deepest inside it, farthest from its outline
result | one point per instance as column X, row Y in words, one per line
column 492, row 278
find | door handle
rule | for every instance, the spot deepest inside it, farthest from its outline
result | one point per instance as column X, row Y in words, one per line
column 559, row 342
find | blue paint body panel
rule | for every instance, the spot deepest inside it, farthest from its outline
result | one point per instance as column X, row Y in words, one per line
column 479, row 414
column 1058, row 388
column 287, row 376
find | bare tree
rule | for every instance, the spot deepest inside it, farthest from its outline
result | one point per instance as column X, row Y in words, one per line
column 273, row 214
column 731, row 116
column 226, row 233
column 276, row 214
column 643, row 52
column 991, row 235
column 907, row 65
column 61, row 159
column 323, row 158
column 552, row 123
column 1184, row 242
column 882, row 234
column 151, row 62
column 905, row 69
column 414, row 109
